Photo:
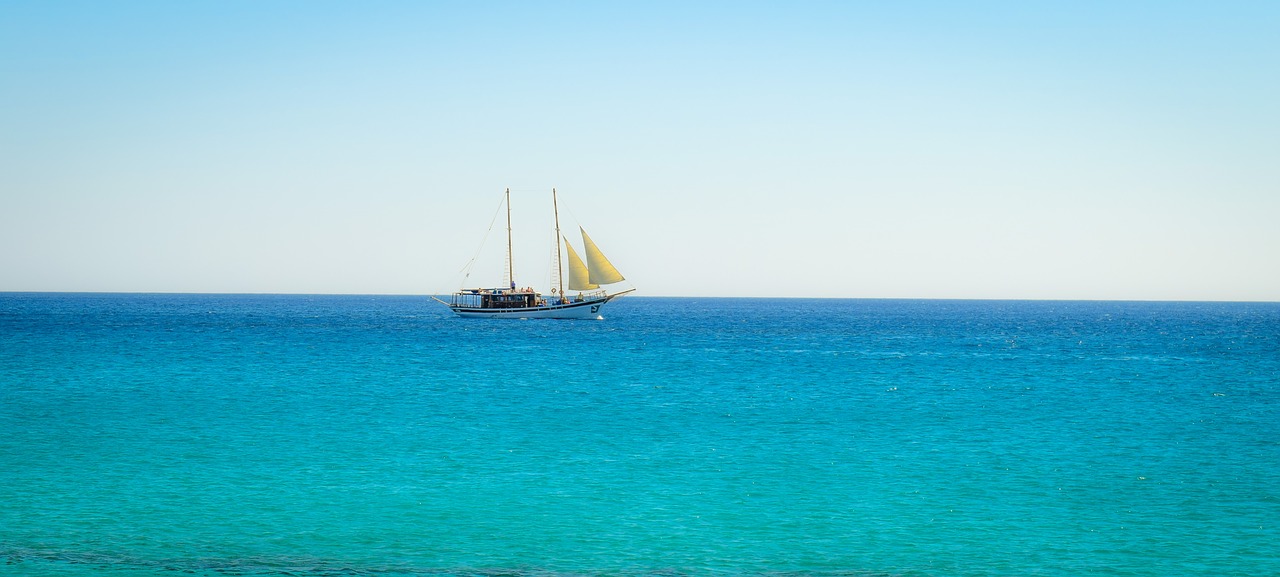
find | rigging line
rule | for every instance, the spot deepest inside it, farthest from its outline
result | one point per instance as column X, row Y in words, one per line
column 467, row 267
column 574, row 217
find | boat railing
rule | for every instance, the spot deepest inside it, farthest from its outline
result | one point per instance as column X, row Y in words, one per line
column 519, row 298
column 586, row 296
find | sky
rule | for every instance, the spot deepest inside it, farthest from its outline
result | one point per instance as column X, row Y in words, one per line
column 989, row 150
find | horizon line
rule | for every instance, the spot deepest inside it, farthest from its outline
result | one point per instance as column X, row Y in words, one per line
column 764, row 297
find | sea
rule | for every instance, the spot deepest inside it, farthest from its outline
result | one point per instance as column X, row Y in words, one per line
column 155, row 435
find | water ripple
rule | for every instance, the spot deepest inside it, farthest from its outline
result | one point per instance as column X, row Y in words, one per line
column 304, row 566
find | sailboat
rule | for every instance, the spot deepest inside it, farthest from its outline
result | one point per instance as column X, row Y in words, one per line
column 587, row 281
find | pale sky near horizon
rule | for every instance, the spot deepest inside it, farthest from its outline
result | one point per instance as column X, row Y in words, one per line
column 1039, row 150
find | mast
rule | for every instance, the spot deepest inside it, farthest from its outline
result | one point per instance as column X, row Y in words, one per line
column 559, row 267
column 511, row 267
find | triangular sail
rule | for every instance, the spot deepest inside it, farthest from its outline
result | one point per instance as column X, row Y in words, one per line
column 600, row 269
column 579, row 278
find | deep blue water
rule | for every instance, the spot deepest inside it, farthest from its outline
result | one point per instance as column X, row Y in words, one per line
column 216, row 435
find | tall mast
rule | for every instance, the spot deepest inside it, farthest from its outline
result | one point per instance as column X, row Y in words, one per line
column 511, row 267
column 559, row 267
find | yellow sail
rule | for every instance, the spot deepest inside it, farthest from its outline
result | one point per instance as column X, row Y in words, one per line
column 579, row 278
column 600, row 269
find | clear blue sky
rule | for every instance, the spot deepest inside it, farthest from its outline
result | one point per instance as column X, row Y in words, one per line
column 1075, row 150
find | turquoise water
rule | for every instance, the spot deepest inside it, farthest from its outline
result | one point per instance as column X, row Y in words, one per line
column 147, row 435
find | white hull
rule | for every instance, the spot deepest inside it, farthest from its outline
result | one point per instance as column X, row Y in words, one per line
column 589, row 309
